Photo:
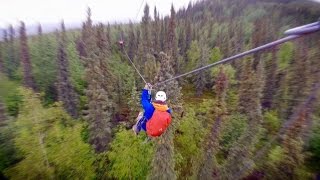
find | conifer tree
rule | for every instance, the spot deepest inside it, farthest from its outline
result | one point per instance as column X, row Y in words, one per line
column 162, row 35
column 4, row 49
column 202, row 76
column 132, row 44
column 250, row 92
column 163, row 160
column 188, row 37
column 44, row 51
column 259, row 37
column 155, row 31
column 194, row 56
column 270, row 86
column 108, row 34
column 145, row 56
column 66, row 93
column 102, row 40
column 299, row 76
column 50, row 143
column 172, row 46
column 99, row 90
column 2, row 67
column 11, row 60
column 28, row 79
column 134, row 103
column 80, row 47
column 2, row 113
column 209, row 168
column 145, row 30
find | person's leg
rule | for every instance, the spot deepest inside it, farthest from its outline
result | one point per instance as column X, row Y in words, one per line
column 138, row 126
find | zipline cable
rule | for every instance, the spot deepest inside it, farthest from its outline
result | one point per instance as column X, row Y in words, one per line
column 293, row 33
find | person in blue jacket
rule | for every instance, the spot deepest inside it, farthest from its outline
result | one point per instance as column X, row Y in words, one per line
column 149, row 108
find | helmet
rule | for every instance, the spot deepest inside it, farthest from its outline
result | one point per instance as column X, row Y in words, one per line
column 161, row 96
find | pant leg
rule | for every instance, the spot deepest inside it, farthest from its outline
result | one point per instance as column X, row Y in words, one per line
column 141, row 125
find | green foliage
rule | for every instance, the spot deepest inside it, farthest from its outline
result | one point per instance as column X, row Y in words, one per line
column 10, row 95
column 134, row 103
column 314, row 148
column 71, row 157
column 124, row 77
column 188, row 144
column 194, row 55
column 43, row 57
column 271, row 122
column 215, row 55
column 76, row 68
column 49, row 143
column 230, row 73
column 235, row 126
column 8, row 154
column 285, row 55
column 130, row 156
column 275, row 156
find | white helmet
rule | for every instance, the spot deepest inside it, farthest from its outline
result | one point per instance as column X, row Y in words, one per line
column 161, row 96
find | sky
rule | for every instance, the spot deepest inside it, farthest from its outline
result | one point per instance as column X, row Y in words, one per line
column 74, row 11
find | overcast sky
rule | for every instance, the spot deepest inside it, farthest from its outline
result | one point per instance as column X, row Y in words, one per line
column 52, row 11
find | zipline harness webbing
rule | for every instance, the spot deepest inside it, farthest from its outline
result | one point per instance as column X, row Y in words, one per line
column 293, row 33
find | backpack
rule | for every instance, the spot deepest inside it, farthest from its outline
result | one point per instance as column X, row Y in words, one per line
column 158, row 123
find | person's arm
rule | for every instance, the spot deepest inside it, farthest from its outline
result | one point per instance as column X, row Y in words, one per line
column 145, row 102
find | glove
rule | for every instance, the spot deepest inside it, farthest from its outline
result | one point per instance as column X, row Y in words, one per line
column 148, row 86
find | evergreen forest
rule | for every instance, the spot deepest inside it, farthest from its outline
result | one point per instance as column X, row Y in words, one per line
column 69, row 98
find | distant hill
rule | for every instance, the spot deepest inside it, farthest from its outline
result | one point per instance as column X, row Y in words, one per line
column 46, row 28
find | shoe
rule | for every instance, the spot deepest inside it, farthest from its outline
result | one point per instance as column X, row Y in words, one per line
column 135, row 129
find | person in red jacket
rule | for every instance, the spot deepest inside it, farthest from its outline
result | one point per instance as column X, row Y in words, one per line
column 157, row 115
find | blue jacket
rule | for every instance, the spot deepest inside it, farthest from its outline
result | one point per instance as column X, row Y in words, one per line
column 147, row 105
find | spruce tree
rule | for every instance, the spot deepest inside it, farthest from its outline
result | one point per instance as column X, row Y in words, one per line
column 145, row 59
column 155, row 31
column 108, row 34
column 270, row 86
column 182, row 42
column 163, row 160
column 201, row 77
column 132, row 44
column 172, row 46
column 162, row 35
column 44, row 51
column 99, row 90
column 50, row 143
column 2, row 67
column 209, row 168
column 28, row 79
column 11, row 60
column 299, row 76
column 102, row 40
column 250, row 92
column 145, row 30
column 5, row 51
column 66, row 93
column 188, row 38
column 3, row 116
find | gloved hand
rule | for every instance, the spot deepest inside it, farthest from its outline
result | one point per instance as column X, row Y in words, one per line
column 148, row 86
